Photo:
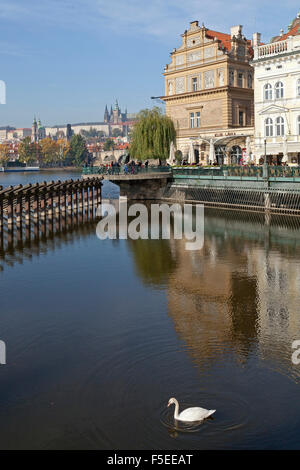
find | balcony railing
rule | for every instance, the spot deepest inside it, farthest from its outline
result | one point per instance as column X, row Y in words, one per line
column 272, row 49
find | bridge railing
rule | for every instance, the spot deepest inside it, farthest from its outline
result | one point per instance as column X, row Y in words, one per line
column 124, row 170
column 211, row 171
column 239, row 171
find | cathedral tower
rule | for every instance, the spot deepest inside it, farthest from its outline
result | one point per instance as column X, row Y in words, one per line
column 106, row 115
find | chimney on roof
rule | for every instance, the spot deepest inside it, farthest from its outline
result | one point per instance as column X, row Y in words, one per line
column 236, row 31
column 194, row 24
column 281, row 32
column 256, row 39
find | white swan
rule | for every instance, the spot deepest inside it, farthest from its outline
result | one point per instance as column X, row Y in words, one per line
column 190, row 414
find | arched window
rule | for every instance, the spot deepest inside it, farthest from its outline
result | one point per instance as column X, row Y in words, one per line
column 279, row 90
column 268, row 91
column 269, row 127
column 298, row 122
column 298, row 87
column 279, row 126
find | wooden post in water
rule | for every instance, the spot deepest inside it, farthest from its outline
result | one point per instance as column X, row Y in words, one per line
column 85, row 199
column 43, row 200
column 10, row 209
column 36, row 202
column 65, row 198
column 19, row 208
column 27, row 202
column 75, row 198
column 1, row 209
column 80, row 197
column 71, row 198
column 52, row 201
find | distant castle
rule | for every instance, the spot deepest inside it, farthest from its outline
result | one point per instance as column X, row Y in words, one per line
column 113, row 119
column 115, row 116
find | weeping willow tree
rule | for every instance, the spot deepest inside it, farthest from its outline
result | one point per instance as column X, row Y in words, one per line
column 152, row 135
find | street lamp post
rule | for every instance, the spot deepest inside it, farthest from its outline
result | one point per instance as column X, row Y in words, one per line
column 265, row 162
column 265, row 168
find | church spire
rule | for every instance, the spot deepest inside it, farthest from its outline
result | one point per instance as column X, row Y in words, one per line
column 106, row 115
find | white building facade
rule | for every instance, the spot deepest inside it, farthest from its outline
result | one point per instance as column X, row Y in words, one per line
column 277, row 97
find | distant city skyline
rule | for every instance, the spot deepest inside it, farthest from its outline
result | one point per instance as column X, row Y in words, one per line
column 63, row 61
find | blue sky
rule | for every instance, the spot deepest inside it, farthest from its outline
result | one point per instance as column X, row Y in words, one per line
column 63, row 60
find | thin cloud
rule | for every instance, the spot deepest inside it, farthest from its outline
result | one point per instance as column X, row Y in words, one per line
column 161, row 19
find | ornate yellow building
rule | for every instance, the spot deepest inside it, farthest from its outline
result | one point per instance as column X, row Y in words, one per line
column 209, row 94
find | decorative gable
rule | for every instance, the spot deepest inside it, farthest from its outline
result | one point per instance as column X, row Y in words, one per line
column 273, row 109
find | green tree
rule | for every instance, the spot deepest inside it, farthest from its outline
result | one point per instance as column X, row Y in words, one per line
column 108, row 145
column 29, row 152
column 152, row 135
column 78, row 152
column 117, row 132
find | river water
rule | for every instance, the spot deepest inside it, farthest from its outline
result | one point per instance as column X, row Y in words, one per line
column 100, row 334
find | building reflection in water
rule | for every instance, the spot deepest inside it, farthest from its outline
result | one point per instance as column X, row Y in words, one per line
column 240, row 294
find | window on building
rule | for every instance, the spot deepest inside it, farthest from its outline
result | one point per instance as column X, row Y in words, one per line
column 198, row 119
column 298, row 122
column 268, row 91
column 279, row 90
column 220, row 152
column 235, row 155
column 241, row 118
column 298, row 87
column 268, row 127
column 194, row 84
column 231, row 77
column 279, row 126
column 192, row 120
column 240, row 79
column 249, row 80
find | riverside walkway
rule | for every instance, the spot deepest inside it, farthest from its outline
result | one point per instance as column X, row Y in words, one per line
column 271, row 188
